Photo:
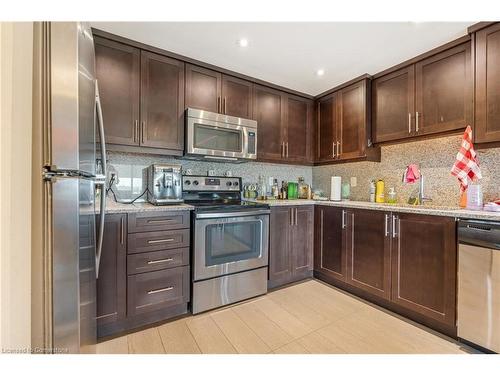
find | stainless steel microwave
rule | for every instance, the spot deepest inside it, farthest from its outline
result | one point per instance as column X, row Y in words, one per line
column 217, row 137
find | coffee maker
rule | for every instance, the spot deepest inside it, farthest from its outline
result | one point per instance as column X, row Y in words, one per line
column 164, row 183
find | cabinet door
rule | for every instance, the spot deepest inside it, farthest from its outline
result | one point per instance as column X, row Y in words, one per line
column 269, row 114
column 302, row 241
column 329, row 246
column 369, row 251
column 424, row 265
column 280, row 265
column 298, row 129
column 112, row 281
column 327, row 128
column 487, row 114
column 393, row 105
column 118, row 74
column 351, row 102
column 162, row 102
column 237, row 97
column 444, row 91
column 203, row 88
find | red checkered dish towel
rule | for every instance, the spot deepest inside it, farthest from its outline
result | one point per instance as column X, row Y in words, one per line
column 466, row 166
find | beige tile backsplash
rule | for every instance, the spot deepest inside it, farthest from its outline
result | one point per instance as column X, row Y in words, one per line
column 435, row 158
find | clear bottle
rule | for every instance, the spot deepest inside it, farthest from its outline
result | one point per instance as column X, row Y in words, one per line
column 303, row 188
column 284, row 190
column 275, row 189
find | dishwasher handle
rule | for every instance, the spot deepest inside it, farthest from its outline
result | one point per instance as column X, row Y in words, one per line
column 479, row 233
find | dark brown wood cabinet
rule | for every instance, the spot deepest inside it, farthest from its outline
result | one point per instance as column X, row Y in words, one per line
column 112, row 280
column 290, row 244
column 424, row 266
column 487, row 86
column 330, row 257
column 118, row 74
column 344, row 126
column 162, row 102
column 369, row 251
column 285, row 126
column 216, row 92
column 431, row 96
column 142, row 96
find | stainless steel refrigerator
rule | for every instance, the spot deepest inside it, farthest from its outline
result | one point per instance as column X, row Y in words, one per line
column 69, row 135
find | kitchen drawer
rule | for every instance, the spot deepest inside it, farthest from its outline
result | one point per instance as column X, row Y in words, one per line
column 152, row 241
column 156, row 221
column 157, row 260
column 157, row 290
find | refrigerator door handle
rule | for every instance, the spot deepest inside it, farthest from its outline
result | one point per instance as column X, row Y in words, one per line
column 101, row 180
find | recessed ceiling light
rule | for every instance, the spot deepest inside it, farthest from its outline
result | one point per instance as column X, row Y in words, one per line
column 243, row 42
column 320, row 72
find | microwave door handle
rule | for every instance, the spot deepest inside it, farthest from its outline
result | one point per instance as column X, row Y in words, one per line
column 101, row 180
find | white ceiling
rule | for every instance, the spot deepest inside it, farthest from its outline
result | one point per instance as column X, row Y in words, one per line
column 289, row 54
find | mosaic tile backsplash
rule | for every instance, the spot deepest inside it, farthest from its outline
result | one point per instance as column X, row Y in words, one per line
column 129, row 168
column 435, row 158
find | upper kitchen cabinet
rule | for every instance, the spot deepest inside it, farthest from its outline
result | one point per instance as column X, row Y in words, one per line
column 487, row 85
column 212, row 91
column 162, row 102
column 269, row 113
column 431, row 96
column 284, row 126
column 118, row 74
column 343, row 128
column 393, row 105
column 142, row 96
column 203, row 87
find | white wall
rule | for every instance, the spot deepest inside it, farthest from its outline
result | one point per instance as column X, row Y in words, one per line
column 16, row 57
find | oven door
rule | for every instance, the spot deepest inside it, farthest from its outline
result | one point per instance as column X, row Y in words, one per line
column 226, row 243
column 218, row 140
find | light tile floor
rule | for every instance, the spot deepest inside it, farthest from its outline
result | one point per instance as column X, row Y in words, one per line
column 310, row 317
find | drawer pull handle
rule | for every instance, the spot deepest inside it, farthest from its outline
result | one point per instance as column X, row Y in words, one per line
column 159, row 221
column 160, row 290
column 160, row 261
column 161, row 241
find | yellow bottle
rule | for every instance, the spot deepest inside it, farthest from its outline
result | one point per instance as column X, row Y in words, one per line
column 379, row 191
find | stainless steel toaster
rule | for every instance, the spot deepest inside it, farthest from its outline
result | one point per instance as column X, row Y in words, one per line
column 164, row 183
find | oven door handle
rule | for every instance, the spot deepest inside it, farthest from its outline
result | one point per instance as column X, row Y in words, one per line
column 217, row 215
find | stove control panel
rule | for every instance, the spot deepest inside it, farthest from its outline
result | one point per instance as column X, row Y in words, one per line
column 208, row 183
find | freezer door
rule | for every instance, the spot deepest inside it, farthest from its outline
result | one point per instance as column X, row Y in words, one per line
column 72, row 85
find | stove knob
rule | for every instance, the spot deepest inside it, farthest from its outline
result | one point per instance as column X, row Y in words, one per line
column 229, row 183
column 236, row 183
column 187, row 182
column 195, row 182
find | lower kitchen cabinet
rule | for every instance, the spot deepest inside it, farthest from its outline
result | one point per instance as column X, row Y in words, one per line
column 369, row 251
column 424, row 265
column 291, row 244
column 112, row 280
column 329, row 243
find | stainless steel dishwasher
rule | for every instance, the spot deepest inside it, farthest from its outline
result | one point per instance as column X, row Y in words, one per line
column 479, row 283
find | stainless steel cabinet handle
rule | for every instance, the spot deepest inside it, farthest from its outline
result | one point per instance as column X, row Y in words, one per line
column 296, row 214
column 136, row 131
column 416, row 121
column 142, row 131
column 333, row 150
column 160, row 290
column 159, row 221
column 287, row 149
column 339, row 148
column 394, row 218
column 122, row 230
column 386, row 225
column 160, row 261
column 343, row 219
column 409, row 123
column 282, row 149
column 161, row 241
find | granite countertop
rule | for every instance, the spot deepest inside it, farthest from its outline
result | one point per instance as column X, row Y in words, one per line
column 428, row 209
column 113, row 207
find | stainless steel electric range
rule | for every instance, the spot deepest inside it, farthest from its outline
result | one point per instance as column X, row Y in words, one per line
column 230, row 242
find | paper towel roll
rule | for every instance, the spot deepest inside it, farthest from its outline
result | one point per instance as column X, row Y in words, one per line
column 336, row 187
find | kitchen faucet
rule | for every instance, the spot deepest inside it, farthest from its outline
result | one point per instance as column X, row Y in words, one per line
column 421, row 195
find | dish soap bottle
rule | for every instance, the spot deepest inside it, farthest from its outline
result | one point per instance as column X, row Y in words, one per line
column 392, row 196
column 379, row 191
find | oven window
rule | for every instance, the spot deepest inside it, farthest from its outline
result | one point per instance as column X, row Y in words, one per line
column 232, row 242
column 211, row 138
